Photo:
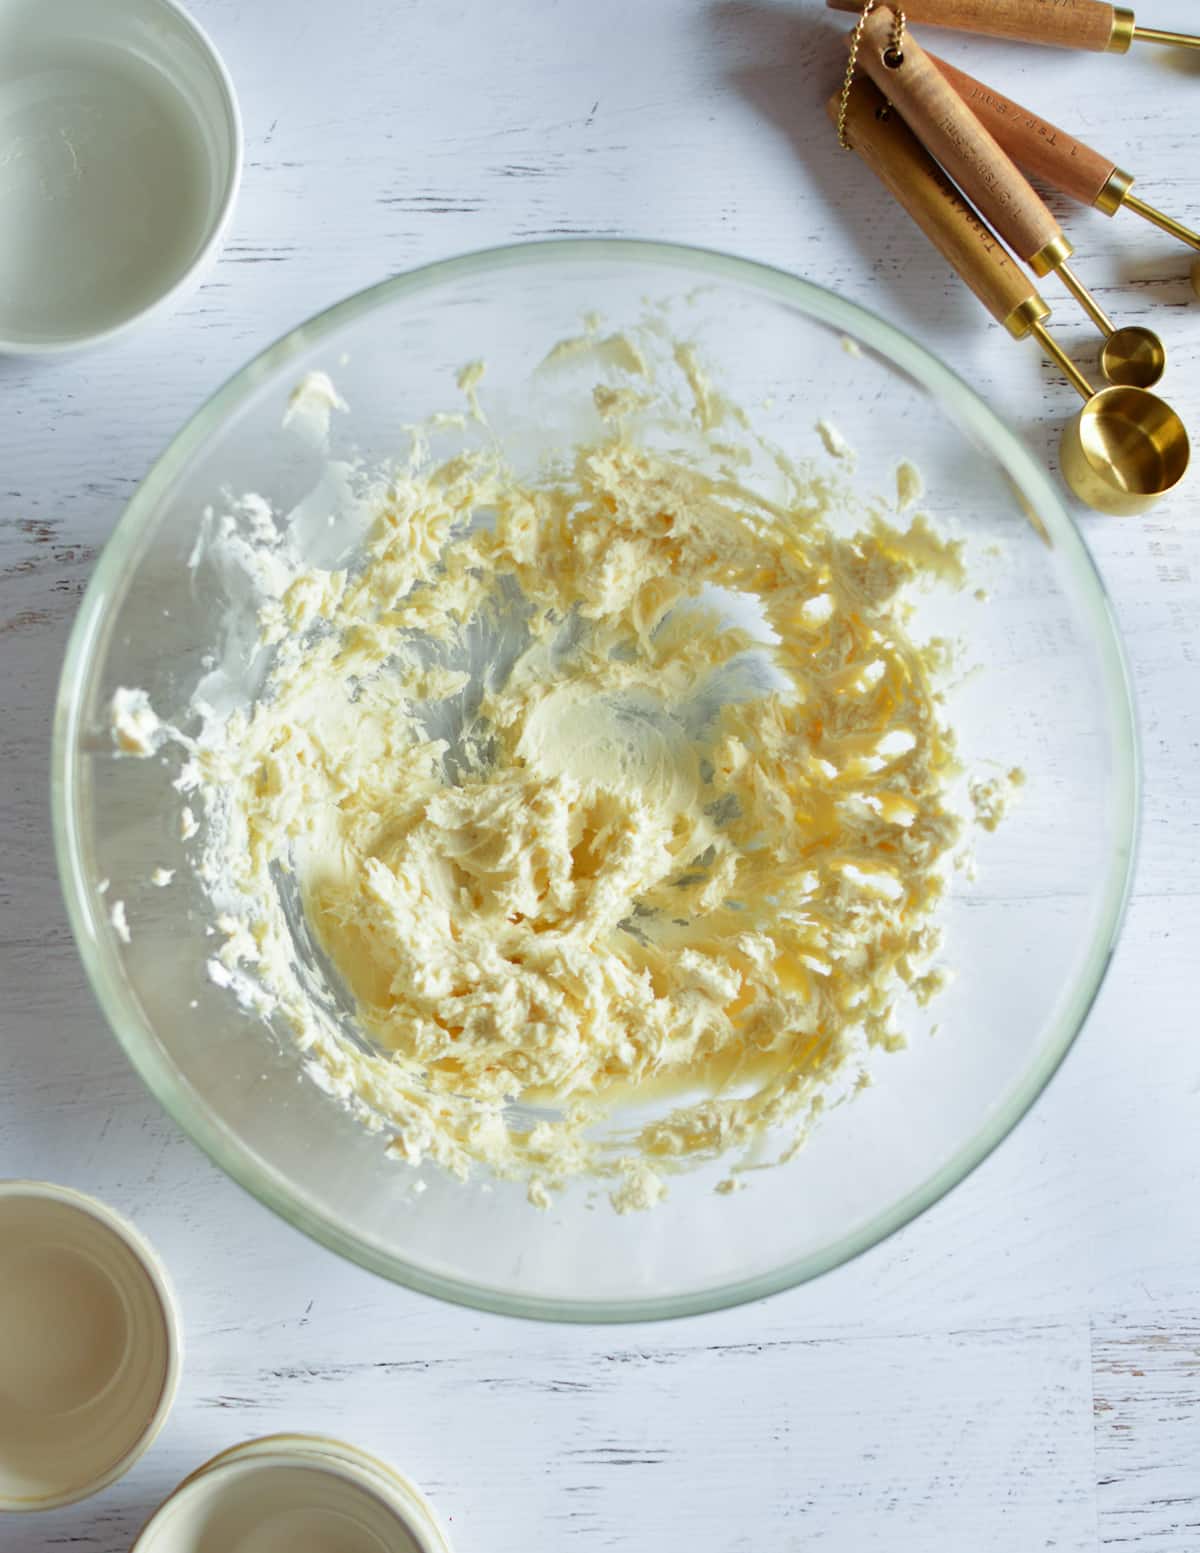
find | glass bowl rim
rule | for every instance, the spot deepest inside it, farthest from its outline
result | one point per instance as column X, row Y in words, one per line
column 235, row 1157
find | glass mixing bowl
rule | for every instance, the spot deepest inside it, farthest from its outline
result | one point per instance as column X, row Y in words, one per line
column 1029, row 940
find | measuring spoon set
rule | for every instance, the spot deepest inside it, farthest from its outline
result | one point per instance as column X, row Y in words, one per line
column 954, row 153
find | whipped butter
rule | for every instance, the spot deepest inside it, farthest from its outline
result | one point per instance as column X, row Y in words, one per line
column 620, row 778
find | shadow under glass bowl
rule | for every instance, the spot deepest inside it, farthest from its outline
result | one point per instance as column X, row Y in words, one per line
column 1029, row 940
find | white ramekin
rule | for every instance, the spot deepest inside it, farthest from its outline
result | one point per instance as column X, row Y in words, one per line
column 120, row 157
column 265, row 1492
column 90, row 1347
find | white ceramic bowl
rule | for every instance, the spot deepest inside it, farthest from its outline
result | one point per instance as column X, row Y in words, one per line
column 120, row 156
column 89, row 1346
column 285, row 1492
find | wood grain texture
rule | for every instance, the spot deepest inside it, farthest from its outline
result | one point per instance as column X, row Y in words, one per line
column 1037, row 146
column 969, row 1384
column 964, row 146
column 1146, row 1383
column 915, row 181
column 1069, row 24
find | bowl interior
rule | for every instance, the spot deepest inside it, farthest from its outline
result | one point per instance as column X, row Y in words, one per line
column 1028, row 939
column 88, row 1352
column 264, row 1501
column 123, row 157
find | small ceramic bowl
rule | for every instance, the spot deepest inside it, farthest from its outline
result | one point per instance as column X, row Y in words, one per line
column 269, row 1494
column 120, row 156
column 89, row 1346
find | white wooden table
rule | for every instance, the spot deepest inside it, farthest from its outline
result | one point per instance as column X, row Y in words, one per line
column 1018, row 1370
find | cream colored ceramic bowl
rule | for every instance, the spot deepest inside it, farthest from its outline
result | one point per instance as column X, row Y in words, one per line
column 291, row 1492
column 120, row 155
column 89, row 1346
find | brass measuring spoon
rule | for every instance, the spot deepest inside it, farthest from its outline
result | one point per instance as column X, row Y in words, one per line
column 1132, row 355
column 1125, row 448
column 995, row 185
column 1054, row 156
column 1080, row 24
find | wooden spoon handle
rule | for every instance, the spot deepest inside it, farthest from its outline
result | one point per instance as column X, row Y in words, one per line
column 906, row 169
column 938, row 116
column 1069, row 24
column 1036, row 145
